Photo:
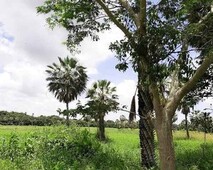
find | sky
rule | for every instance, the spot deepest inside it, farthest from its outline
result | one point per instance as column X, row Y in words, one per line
column 28, row 45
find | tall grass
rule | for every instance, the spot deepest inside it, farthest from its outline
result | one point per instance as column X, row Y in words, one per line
column 60, row 148
column 193, row 153
column 57, row 148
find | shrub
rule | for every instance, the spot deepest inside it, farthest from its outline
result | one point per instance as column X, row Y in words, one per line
column 60, row 148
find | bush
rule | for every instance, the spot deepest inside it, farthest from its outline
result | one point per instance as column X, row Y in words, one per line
column 60, row 148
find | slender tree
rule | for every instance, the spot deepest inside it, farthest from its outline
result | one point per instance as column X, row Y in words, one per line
column 102, row 100
column 189, row 101
column 66, row 81
column 155, row 35
column 186, row 110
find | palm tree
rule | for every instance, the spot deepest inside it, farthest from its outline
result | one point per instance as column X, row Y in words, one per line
column 66, row 80
column 186, row 111
column 102, row 100
column 188, row 102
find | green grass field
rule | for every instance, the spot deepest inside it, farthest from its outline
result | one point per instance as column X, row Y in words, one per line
column 122, row 149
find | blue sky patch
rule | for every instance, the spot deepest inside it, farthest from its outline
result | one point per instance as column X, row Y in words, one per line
column 109, row 72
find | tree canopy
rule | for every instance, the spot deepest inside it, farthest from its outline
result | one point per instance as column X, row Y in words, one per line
column 66, row 81
column 102, row 100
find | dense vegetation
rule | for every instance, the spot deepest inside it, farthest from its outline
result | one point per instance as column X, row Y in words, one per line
column 60, row 148
column 31, row 147
column 197, row 121
column 17, row 118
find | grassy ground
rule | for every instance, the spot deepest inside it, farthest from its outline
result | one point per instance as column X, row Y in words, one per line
column 190, row 154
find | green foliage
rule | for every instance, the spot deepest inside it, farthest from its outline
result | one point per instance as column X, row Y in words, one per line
column 16, row 118
column 70, row 112
column 102, row 99
column 63, row 148
column 172, row 26
column 201, row 121
column 59, row 148
column 188, row 159
column 67, row 79
column 68, row 150
column 81, row 18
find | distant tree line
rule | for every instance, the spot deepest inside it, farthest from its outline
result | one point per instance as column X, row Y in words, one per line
column 199, row 121
column 17, row 118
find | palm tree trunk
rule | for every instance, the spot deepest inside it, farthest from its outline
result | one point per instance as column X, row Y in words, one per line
column 146, row 134
column 67, row 116
column 101, row 128
column 186, row 126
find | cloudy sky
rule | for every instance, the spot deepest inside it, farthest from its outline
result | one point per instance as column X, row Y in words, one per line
column 27, row 45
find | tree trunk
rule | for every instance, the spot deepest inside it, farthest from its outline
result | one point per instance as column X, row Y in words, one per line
column 146, row 134
column 101, row 128
column 165, row 142
column 67, row 116
column 186, row 126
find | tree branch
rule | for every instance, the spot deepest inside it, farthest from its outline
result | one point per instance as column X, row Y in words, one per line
column 134, row 16
column 202, row 19
column 208, row 60
column 114, row 20
column 175, row 100
column 142, row 17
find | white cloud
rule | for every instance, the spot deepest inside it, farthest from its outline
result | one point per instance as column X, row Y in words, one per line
column 93, row 53
column 27, row 45
column 34, row 40
column 205, row 104
column 125, row 90
column 32, row 37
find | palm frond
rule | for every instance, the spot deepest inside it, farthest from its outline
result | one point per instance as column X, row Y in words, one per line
column 66, row 80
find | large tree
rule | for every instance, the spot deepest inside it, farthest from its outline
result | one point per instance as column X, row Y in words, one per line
column 156, row 41
column 66, row 81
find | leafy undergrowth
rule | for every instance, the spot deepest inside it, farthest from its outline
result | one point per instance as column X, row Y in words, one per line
column 193, row 154
column 60, row 149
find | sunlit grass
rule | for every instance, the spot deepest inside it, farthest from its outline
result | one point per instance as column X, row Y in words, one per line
column 190, row 153
column 194, row 135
